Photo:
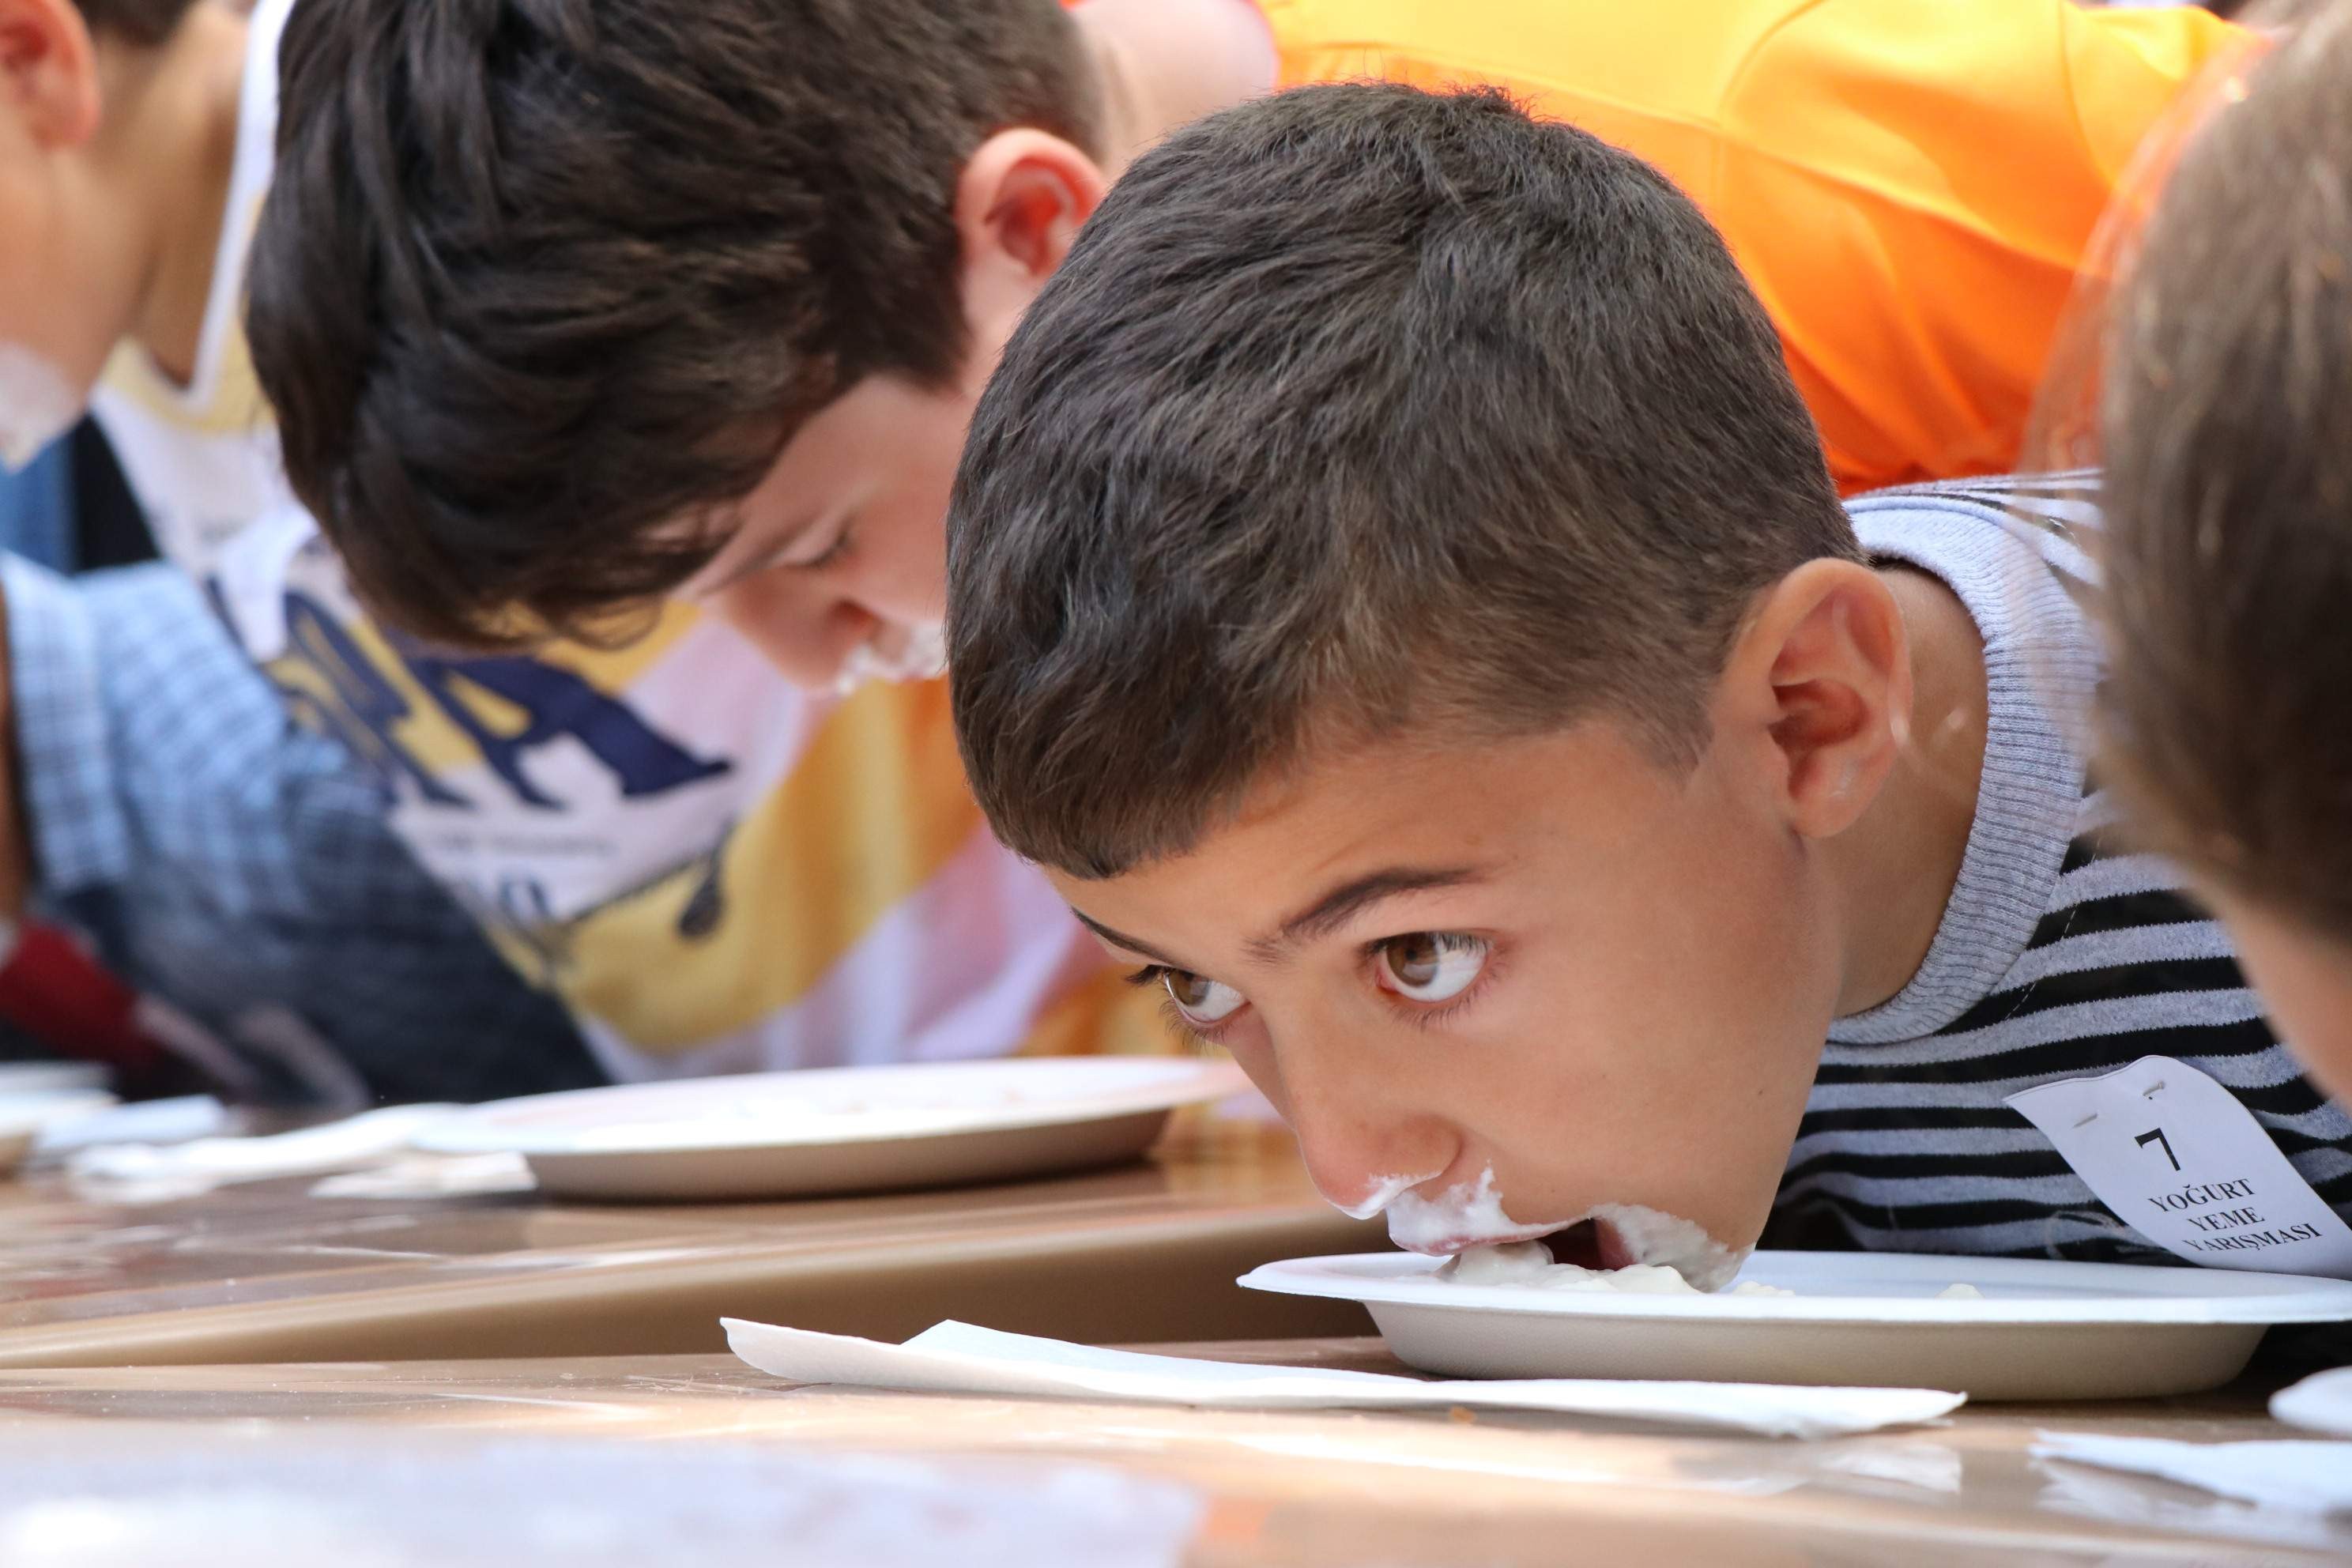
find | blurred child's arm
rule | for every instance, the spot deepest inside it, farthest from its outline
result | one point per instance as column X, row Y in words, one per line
column 226, row 859
column 1912, row 187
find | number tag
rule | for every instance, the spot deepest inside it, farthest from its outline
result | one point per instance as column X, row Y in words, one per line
column 2187, row 1166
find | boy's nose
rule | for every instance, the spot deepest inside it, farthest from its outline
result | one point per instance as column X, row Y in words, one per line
column 1358, row 1167
column 808, row 641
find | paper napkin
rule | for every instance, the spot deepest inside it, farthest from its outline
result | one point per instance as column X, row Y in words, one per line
column 147, row 1173
column 959, row 1358
column 2297, row 1475
column 2320, row 1402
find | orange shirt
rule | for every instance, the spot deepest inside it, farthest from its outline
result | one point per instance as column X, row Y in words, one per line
column 1910, row 184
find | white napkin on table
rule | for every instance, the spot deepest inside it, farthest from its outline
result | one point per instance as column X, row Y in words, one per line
column 2297, row 1475
column 148, row 1172
column 959, row 1358
column 2320, row 1402
column 145, row 1121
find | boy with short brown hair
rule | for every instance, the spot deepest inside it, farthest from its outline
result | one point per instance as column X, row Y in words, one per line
column 1395, row 591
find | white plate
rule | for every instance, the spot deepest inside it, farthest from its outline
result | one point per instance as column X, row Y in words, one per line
column 841, row 1129
column 2043, row 1330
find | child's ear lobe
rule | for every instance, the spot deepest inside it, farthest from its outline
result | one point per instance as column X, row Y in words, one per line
column 1020, row 201
column 1831, row 666
column 49, row 71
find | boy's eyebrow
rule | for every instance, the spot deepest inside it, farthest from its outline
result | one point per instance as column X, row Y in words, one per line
column 1327, row 914
column 1120, row 938
column 1343, row 902
column 751, row 568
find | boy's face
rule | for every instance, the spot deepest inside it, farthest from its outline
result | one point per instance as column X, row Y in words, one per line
column 1548, row 958
column 839, row 565
column 836, row 567
column 2304, row 977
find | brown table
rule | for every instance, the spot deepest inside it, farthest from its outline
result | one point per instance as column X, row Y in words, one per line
column 1501, row 1490
column 266, row 1272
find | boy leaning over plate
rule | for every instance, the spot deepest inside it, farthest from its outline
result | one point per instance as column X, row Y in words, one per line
column 1397, row 595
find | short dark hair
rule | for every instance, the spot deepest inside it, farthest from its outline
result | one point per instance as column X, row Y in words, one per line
column 540, row 280
column 1355, row 408
column 145, row 23
column 2226, row 421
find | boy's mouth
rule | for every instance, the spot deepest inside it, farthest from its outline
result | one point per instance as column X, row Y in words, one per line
column 1589, row 1244
column 1608, row 1237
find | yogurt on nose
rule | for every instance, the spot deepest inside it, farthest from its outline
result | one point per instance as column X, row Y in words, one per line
column 1384, row 1191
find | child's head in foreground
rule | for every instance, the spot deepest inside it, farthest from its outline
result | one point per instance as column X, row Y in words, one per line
column 78, row 194
column 2227, row 426
column 1395, row 591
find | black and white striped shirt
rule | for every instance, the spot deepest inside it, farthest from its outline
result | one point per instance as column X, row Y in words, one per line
column 2062, row 953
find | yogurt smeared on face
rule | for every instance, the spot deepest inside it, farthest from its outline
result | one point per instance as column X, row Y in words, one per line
column 38, row 405
column 894, row 654
column 1470, row 1215
column 1528, row 1264
column 1655, row 1237
column 1385, row 1190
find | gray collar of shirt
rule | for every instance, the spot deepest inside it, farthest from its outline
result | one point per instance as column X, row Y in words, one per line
column 2039, row 663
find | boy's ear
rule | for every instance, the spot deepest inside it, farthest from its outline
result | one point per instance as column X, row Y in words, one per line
column 1820, row 680
column 1019, row 205
column 49, row 71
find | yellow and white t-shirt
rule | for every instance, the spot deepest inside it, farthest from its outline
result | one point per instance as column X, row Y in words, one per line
column 716, row 870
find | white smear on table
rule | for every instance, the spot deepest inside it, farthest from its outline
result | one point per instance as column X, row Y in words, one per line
column 2297, row 1475
column 432, row 1176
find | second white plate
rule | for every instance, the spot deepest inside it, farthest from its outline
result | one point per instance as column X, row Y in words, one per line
column 785, row 1134
column 2041, row 1331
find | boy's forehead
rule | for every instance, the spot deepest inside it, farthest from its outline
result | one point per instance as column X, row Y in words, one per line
column 1375, row 821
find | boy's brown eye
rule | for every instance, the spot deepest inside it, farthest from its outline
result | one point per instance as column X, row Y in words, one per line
column 1431, row 966
column 1202, row 1000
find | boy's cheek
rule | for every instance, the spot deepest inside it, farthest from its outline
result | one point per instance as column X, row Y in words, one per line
column 1255, row 1058
column 2304, row 979
column 1679, row 1128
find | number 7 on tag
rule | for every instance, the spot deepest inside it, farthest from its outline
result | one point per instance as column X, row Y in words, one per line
column 2205, row 1183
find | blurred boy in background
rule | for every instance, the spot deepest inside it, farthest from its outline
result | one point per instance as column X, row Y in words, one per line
column 2226, row 427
